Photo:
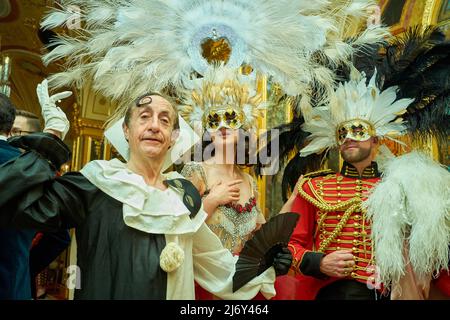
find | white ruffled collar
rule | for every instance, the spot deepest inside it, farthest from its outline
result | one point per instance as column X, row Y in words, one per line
column 145, row 208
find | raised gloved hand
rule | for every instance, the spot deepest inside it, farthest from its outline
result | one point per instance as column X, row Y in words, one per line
column 282, row 262
column 55, row 119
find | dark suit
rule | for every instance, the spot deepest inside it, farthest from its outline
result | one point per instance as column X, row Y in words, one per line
column 16, row 260
column 14, row 249
column 45, row 251
column 7, row 152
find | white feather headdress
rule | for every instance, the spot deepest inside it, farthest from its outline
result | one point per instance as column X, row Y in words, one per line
column 222, row 87
column 130, row 47
column 354, row 99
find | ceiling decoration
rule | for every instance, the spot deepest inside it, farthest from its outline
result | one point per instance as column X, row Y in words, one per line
column 22, row 41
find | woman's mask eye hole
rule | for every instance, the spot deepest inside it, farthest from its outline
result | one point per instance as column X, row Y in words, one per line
column 212, row 120
column 229, row 115
column 213, row 117
column 213, row 124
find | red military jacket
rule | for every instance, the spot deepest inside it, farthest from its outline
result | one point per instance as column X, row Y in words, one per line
column 443, row 283
column 331, row 219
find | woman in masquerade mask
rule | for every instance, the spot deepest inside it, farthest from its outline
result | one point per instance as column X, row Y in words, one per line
column 216, row 106
column 225, row 105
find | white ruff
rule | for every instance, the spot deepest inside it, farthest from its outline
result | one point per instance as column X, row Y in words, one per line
column 145, row 208
column 411, row 204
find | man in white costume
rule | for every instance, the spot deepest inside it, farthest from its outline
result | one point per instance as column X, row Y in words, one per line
column 140, row 233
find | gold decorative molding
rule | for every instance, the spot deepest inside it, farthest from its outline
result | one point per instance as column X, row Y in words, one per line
column 95, row 105
column 427, row 17
column 262, row 124
column 414, row 12
column 76, row 117
column 88, row 126
column 90, row 123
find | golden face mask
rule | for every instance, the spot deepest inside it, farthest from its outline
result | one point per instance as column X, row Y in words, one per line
column 228, row 118
column 356, row 129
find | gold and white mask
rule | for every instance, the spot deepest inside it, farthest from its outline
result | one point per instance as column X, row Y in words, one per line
column 356, row 129
column 229, row 118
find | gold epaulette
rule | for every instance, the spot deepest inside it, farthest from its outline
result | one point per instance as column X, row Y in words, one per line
column 318, row 173
column 308, row 176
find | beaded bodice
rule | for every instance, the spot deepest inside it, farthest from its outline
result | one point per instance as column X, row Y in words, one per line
column 232, row 223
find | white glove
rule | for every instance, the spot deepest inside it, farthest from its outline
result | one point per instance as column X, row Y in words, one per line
column 54, row 118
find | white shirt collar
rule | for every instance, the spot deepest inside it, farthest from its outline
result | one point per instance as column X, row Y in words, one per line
column 4, row 138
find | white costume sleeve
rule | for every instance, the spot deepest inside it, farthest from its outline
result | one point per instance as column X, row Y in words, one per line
column 214, row 268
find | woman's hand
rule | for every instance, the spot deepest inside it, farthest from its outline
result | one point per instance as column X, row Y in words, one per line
column 220, row 194
column 224, row 193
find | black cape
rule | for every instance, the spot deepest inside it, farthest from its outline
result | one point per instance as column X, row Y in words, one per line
column 114, row 260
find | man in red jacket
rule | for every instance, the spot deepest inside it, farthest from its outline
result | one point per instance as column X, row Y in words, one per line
column 339, row 234
column 331, row 245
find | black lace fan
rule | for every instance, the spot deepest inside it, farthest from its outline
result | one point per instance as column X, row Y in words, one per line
column 259, row 252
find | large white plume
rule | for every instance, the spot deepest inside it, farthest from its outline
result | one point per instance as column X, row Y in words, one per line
column 135, row 46
column 410, row 206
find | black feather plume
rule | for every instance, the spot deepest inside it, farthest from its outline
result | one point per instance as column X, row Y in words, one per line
column 291, row 139
column 419, row 64
column 295, row 168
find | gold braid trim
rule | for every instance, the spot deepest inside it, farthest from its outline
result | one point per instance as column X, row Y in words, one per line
column 320, row 223
column 349, row 206
column 323, row 205
column 296, row 263
column 338, row 229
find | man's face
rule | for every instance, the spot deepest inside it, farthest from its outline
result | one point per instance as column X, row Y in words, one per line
column 21, row 126
column 150, row 130
column 356, row 151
